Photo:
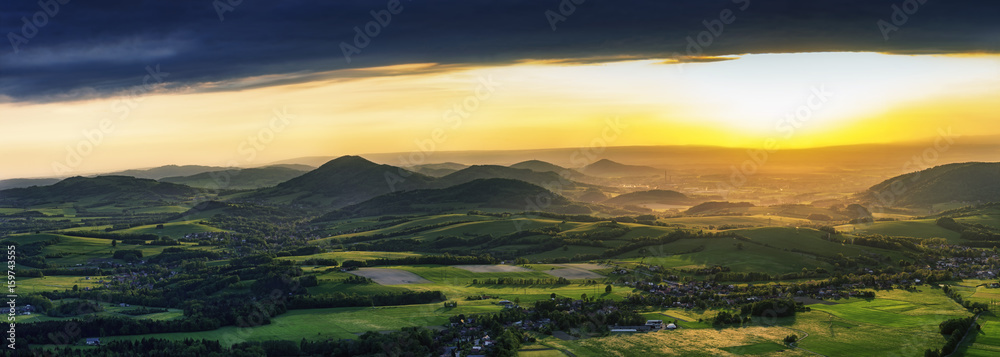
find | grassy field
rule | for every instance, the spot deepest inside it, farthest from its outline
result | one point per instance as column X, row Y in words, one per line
column 49, row 283
column 920, row 228
column 724, row 251
column 851, row 328
column 989, row 217
column 353, row 255
column 985, row 342
column 898, row 308
column 110, row 310
column 173, row 229
column 79, row 250
column 755, row 340
column 336, row 323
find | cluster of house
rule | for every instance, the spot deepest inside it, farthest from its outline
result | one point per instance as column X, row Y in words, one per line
column 971, row 267
column 468, row 332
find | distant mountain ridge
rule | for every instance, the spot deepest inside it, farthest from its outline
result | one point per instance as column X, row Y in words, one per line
column 26, row 182
column 157, row 173
column 608, row 168
column 344, row 181
column 349, row 180
column 962, row 182
column 103, row 188
column 238, row 179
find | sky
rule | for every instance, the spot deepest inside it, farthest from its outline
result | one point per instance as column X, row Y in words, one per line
column 91, row 87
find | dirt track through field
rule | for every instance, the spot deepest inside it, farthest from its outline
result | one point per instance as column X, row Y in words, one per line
column 390, row 276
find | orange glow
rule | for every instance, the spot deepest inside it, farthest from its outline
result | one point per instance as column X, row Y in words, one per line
column 736, row 102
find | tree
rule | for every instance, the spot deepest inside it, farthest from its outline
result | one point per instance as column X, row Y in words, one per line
column 790, row 339
column 114, row 242
column 739, row 246
column 607, row 289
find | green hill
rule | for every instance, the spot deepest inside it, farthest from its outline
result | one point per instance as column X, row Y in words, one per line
column 23, row 182
column 482, row 193
column 110, row 189
column 718, row 207
column 238, row 179
column 157, row 173
column 344, row 181
column 608, row 168
column 544, row 179
column 963, row 182
column 542, row 166
column 667, row 197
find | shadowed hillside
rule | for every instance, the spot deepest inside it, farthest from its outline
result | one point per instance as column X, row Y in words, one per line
column 608, row 168
column 98, row 189
column 545, row 179
column 343, row 181
column 238, row 178
column 482, row 193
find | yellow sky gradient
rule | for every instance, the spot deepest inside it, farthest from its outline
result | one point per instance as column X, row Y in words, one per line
column 735, row 103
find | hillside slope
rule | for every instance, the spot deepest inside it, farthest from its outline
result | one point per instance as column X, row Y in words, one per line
column 117, row 189
column 238, row 179
column 343, row 181
column 963, row 182
column 482, row 193
column 544, row 179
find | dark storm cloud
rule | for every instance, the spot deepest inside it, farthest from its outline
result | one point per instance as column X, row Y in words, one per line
column 90, row 49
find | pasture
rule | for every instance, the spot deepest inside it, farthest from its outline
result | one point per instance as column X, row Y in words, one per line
column 390, row 276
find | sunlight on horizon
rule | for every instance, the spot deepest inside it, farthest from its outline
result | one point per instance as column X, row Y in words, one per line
column 801, row 100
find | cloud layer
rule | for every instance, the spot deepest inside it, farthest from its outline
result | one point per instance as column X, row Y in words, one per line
column 80, row 50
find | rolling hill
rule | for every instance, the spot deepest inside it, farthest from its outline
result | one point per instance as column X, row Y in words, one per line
column 542, row 166
column 666, row 197
column 475, row 172
column 963, row 182
column 343, row 181
column 538, row 165
column 24, row 182
column 111, row 189
column 717, row 207
column 481, row 193
column 157, row 173
column 608, row 168
column 239, row 178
